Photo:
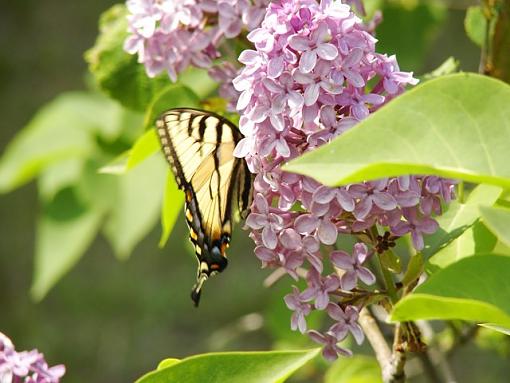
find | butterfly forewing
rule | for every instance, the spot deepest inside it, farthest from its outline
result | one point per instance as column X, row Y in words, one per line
column 199, row 147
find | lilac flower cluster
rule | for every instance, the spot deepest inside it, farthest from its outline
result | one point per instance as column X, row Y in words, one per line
column 305, row 82
column 170, row 35
column 25, row 366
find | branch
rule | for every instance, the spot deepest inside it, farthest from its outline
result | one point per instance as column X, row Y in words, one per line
column 376, row 340
column 496, row 51
column 392, row 364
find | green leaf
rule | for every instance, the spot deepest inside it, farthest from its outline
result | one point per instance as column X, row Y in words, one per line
column 503, row 330
column 171, row 96
column 459, row 217
column 135, row 209
column 233, row 367
column 391, row 262
column 414, row 269
column 358, row 369
column 199, row 81
column 58, row 176
column 475, row 24
column 63, row 129
column 172, row 202
column 454, row 126
column 167, row 363
column 449, row 66
column 64, row 232
column 144, row 147
column 116, row 72
column 497, row 219
column 476, row 288
column 476, row 239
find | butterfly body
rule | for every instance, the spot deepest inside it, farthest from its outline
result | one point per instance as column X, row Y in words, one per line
column 199, row 147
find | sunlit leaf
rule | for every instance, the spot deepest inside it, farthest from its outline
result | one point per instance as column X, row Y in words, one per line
column 449, row 66
column 58, row 176
column 454, row 126
column 136, row 207
column 475, row 24
column 172, row 203
column 414, row 269
column 145, row 146
column 63, row 129
column 233, row 367
column 459, row 217
column 358, row 369
column 503, row 330
column 64, row 232
column 475, row 288
column 497, row 219
column 167, row 363
column 171, row 96
column 476, row 239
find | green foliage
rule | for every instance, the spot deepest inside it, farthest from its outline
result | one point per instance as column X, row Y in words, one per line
column 64, row 231
column 74, row 118
column 358, row 369
column 475, row 240
column 475, row 24
column 454, row 126
column 171, row 96
column 136, row 205
column 449, row 66
column 459, row 217
column 172, row 201
column 475, row 288
column 233, row 367
column 116, row 72
column 497, row 219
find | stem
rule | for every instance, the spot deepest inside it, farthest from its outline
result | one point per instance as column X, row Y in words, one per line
column 485, row 57
column 460, row 190
column 398, row 359
column 495, row 57
column 377, row 341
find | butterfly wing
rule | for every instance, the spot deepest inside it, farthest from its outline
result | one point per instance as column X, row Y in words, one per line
column 199, row 147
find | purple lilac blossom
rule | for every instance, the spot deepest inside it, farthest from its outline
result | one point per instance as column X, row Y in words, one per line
column 170, row 35
column 304, row 83
column 26, row 366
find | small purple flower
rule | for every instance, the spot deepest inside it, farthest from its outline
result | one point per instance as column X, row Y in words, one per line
column 304, row 82
column 170, row 35
column 27, row 365
column 296, row 303
column 346, row 321
column 319, row 288
column 270, row 223
column 370, row 194
column 331, row 350
column 415, row 225
column 353, row 266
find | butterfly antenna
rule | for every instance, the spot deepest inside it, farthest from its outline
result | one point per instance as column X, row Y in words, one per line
column 197, row 289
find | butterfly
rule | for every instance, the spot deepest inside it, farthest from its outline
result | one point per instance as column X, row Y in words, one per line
column 199, row 147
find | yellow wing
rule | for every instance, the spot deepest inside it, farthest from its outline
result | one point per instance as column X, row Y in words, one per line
column 199, row 147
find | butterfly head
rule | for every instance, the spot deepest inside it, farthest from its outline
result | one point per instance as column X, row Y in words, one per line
column 213, row 261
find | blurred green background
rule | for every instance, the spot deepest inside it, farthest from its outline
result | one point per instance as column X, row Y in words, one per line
column 112, row 321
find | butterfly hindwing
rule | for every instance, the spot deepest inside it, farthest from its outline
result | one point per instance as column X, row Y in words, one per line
column 199, row 147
